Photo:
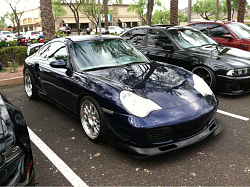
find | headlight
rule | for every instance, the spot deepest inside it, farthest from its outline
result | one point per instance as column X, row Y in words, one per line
column 201, row 86
column 137, row 105
column 238, row 72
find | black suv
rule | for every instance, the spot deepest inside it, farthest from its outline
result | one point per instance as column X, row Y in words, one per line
column 224, row 68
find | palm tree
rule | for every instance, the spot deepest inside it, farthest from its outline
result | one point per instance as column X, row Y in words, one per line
column 241, row 10
column 48, row 24
column 217, row 10
column 105, row 4
column 174, row 12
column 229, row 10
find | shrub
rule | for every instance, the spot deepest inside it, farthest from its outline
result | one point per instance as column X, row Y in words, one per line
column 12, row 43
column 16, row 54
column 60, row 34
column 3, row 43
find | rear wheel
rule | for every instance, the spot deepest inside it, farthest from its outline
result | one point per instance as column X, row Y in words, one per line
column 93, row 120
column 207, row 75
column 29, row 85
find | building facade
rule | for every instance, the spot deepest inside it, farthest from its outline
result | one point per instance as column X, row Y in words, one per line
column 31, row 19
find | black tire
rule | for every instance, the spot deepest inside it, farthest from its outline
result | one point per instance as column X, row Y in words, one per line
column 93, row 120
column 207, row 75
column 29, row 86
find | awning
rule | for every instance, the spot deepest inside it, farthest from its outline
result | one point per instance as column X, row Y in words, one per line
column 129, row 19
column 72, row 20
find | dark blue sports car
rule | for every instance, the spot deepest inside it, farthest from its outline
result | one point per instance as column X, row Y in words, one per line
column 120, row 96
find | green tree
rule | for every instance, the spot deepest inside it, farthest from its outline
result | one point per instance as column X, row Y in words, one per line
column 57, row 9
column 2, row 22
column 161, row 16
column 141, row 7
column 16, row 15
column 206, row 8
column 75, row 6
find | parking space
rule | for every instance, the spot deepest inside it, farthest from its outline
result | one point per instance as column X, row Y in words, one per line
column 70, row 158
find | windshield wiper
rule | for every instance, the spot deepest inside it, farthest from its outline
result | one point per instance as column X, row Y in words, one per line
column 132, row 63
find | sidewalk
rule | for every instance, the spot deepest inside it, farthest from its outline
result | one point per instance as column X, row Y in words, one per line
column 11, row 81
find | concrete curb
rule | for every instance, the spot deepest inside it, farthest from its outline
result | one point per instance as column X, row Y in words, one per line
column 12, row 81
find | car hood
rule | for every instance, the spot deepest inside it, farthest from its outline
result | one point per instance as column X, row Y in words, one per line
column 231, row 56
column 154, row 81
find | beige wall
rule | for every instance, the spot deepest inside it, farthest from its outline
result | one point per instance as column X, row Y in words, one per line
column 31, row 18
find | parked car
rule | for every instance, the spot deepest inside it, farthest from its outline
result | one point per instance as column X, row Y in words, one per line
column 115, row 30
column 65, row 30
column 120, row 96
column 16, row 36
column 33, row 35
column 16, row 160
column 224, row 69
column 8, row 35
column 103, row 30
column 231, row 34
column 3, row 38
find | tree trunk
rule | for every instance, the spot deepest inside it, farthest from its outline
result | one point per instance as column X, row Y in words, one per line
column 174, row 12
column 229, row 10
column 105, row 4
column 241, row 10
column 47, row 20
column 149, row 11
column 217, row 10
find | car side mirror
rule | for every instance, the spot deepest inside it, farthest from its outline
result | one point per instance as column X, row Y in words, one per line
column 144, row 52
column 168, row 48
column 228, row 36
column 58, row 64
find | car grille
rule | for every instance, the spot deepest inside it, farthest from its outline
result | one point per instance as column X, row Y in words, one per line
column 159, row 134
column 191, row 132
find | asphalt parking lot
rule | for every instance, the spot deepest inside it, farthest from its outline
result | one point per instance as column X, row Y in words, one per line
column 64, row 156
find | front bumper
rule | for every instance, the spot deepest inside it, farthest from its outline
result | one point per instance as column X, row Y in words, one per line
column 233, row 85
column 215, row 128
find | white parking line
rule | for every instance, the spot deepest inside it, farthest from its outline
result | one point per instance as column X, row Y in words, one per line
column 233, row 115
column 61, row 166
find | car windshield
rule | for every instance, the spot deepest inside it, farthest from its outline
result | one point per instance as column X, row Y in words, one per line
column 240, row 29
column 105, row 54
column 36, row 32
column 190, row 38
column 6, row 32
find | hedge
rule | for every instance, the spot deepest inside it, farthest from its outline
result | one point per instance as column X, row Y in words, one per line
column 16, row 54
column 3, row 43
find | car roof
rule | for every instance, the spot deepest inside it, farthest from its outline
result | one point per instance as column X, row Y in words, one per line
column 215, row 22
column 162, row 26
column 87, row 37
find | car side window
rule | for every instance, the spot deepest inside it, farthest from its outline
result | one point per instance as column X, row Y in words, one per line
column 60, row 54
column 217, row 31
column 137, row 36
column 200, row 27
column 44, row 52
column 158, row 38
column 126, row 36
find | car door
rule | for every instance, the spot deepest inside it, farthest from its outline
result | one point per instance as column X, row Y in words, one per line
column 217, row 32
column 55, row 81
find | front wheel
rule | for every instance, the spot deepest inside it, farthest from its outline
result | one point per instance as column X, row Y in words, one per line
column 93, row 120
column 207, row 75
column 29, row 85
